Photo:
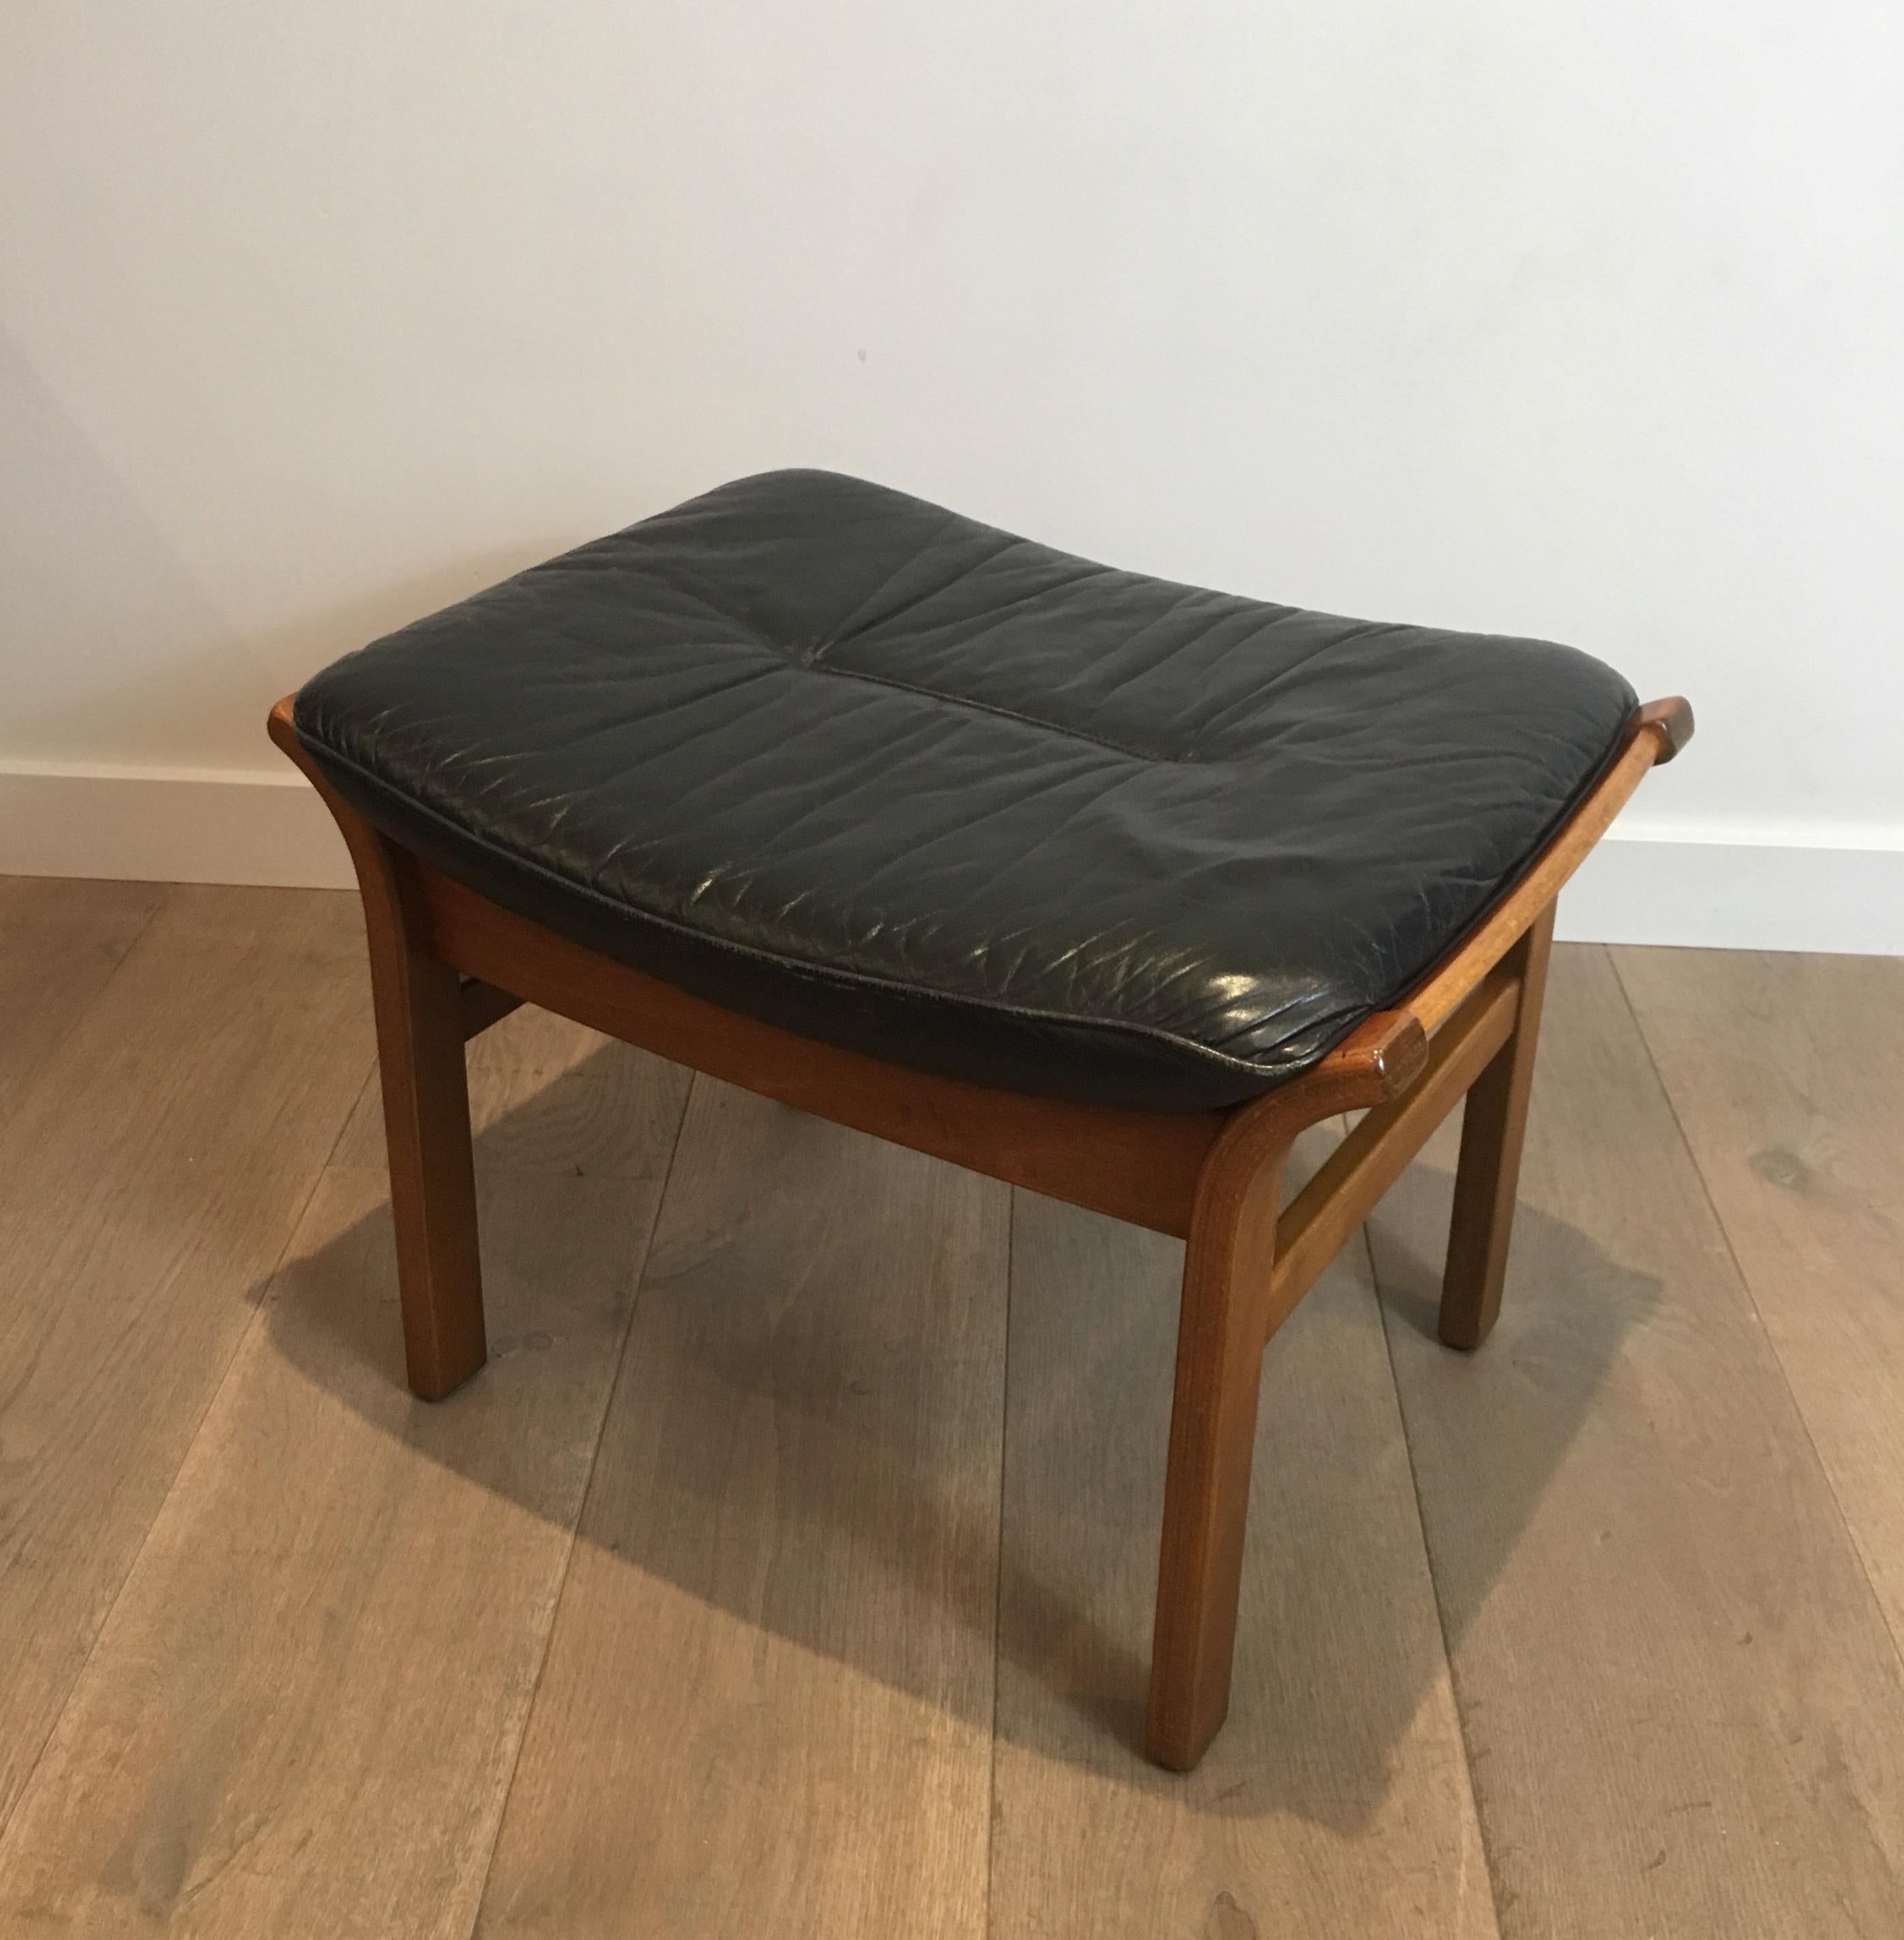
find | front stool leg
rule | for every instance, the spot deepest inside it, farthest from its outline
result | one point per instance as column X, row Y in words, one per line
column 1220, row 1342
column 1493, row 1128
column 418, row 1002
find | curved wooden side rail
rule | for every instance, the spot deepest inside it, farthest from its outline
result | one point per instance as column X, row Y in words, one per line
column 446, row 963
column 1245, row 1267
column 1229, row 1282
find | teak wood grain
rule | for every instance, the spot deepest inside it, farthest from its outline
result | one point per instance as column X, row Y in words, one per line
column 446, row 961
column 418, row 997
column 1141, row 1166
column 1369, row 1161
column 1488, row 1173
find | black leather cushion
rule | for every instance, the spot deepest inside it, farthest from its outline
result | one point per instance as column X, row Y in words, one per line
column 832, row 756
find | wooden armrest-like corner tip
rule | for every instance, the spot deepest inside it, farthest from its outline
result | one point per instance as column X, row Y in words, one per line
column 1671, row 721
column 278, row 723
column 1392, row 1047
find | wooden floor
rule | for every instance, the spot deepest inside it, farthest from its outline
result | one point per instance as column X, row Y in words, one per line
column 788, row 1571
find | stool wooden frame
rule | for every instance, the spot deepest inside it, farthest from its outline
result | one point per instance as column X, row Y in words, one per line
column 446, row 963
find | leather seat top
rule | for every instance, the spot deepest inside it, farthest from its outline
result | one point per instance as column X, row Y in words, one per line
column 879, row 774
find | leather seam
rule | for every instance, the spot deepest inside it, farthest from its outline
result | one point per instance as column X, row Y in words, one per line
column 807, row 657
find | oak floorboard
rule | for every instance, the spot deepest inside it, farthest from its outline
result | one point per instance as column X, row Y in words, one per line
column 767, row 1703
column 59, row 942
column 1334, row 1803
column 766, row 1700
column 302, row 1716
column 155, row 1171
column 1684, row 1711
column 1787, row 1073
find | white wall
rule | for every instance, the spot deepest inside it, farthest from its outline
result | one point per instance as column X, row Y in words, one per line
column 1583, row 319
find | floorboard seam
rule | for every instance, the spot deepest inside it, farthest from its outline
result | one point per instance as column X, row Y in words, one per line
column 374, row 1076
column 582, row 1508
column 1752, row 1299
column 10, row 1815
column 998, row 1585
column 1428, row 1557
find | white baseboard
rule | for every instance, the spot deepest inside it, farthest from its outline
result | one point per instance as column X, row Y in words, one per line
column 1738, row 895
column 170, row 825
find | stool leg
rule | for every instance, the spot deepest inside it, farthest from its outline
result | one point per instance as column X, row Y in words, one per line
column 419, row 1050
column 1493, row 1127
column 1220, row 1342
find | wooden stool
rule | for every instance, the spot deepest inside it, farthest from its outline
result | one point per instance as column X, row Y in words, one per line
column 618, row 787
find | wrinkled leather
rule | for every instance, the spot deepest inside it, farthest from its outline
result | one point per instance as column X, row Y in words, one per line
column 834, row 757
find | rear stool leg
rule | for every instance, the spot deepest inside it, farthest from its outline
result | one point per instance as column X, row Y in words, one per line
column 419, row 1050
column 1493, row 1126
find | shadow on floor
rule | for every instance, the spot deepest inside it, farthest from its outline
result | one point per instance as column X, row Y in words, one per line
column 845, row 1463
